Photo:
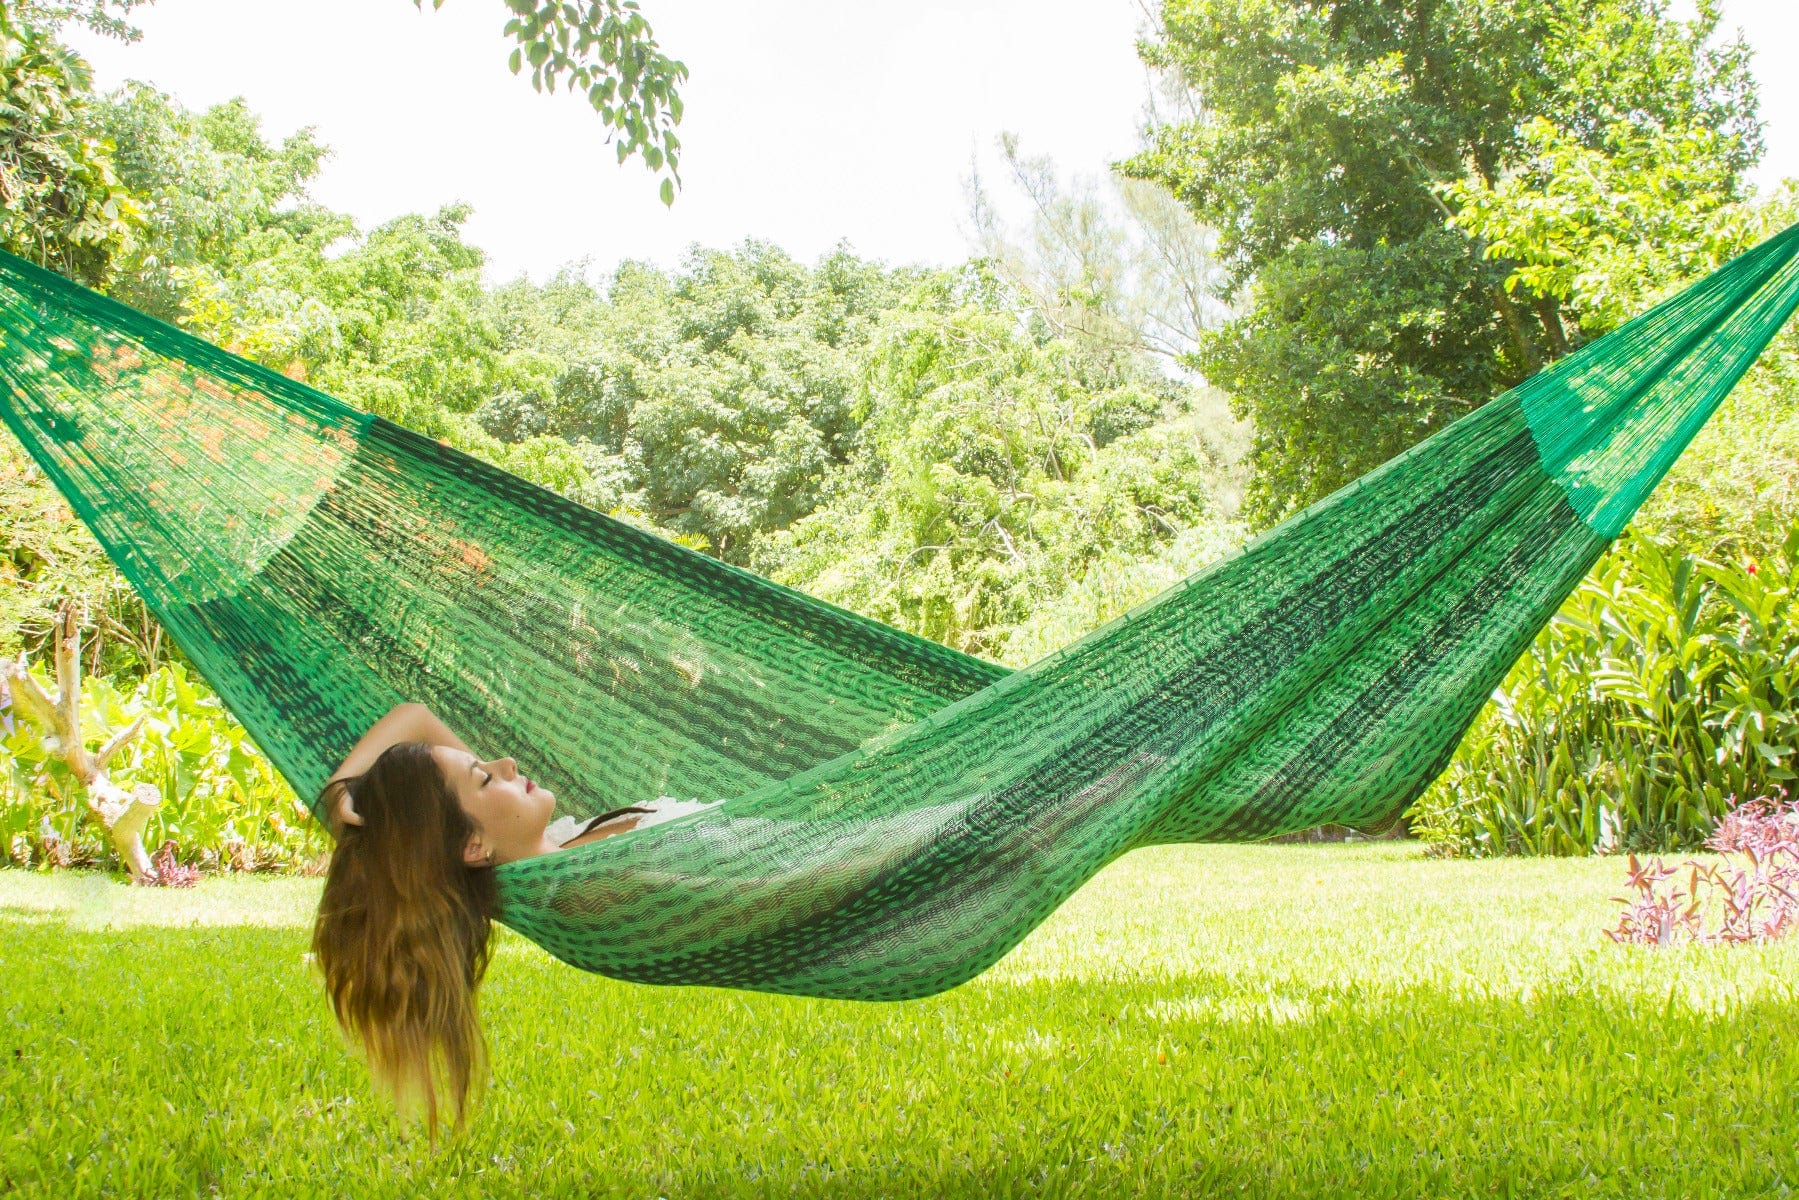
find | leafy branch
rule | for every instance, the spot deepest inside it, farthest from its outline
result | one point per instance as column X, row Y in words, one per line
column 108, row 18
column 605, row 50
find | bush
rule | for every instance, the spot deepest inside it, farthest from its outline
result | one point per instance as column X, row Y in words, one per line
column 1665, row 686
column 1755, row 903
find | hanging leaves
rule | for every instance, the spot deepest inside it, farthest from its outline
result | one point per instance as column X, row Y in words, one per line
column 605, row 50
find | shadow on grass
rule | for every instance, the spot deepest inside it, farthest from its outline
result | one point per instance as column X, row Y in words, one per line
column 13, row 914
column 158, row 1061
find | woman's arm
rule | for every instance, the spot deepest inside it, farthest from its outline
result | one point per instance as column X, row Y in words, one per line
column 403, row 723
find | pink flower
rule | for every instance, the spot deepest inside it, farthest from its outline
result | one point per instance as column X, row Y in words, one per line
column 1753, row 569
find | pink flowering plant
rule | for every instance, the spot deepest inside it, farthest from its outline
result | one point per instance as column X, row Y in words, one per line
column 1757, row 901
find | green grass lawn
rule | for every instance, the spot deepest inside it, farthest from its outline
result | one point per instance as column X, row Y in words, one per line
column 1265, row 1021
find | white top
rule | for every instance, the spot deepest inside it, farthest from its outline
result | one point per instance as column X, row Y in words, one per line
column 664, row 808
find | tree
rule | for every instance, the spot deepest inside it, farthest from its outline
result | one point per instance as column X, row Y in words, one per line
column 713, row 399
column 1120, row 266
column 997, row 461
column 61, row 204
column 1336, row 145
column 209, row 187
column 1606, row 232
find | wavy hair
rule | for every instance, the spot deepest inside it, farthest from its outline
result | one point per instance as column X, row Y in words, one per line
column 402, row 933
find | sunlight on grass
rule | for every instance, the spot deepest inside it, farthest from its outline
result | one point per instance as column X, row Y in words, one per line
column 1269, row 1021
column 92, row 901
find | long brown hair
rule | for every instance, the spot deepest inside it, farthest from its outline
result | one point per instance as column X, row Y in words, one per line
column 402, row 932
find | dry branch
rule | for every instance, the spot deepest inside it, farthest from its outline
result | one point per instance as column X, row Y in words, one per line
column 124, row 814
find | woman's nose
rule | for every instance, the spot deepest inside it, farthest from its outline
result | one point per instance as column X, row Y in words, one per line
column 511, row 767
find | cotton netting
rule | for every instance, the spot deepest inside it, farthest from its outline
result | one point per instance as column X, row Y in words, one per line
column 896, row 815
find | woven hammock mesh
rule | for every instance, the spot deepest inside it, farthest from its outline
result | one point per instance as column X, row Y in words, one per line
column 896, row 815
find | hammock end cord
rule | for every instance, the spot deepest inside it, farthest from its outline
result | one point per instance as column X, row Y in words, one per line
column 1611, row 419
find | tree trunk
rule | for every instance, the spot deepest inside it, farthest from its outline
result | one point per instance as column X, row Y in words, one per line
column 123, row 814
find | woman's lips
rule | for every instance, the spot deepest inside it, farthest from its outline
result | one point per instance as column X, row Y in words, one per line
column 529, row 786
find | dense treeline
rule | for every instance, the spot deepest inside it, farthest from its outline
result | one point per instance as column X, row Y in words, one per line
column 1417, row 208
column 936, row 447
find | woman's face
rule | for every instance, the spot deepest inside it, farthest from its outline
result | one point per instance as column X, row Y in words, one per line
column 510, row 811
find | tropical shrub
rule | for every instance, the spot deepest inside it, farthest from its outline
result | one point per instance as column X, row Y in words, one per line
column 223, row 805
column 1663, row 689
column 1755, row 903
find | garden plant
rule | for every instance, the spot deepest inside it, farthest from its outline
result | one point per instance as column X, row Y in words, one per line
column 1345, row 226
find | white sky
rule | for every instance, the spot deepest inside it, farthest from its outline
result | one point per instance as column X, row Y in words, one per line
column 807, row 121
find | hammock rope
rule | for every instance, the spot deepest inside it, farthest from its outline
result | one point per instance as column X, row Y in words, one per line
column 896, row 815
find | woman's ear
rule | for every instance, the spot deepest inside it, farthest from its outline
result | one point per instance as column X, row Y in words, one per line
column 346, row 811
column 474, row 854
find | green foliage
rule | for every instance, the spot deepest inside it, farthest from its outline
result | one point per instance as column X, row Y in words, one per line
column 1666, row 687
column 1352, row 354
column 213, row 193
column 45, row 553
column 1115, row 582
column 712, row 400
column 1115, row 267
column 394, row 323
column 1608, row 231
column 408, row 313
column 1332, row 141
column 996, row 465
column 109, row 18
column 235, row 250
column 605, row 51
column 61, row 204
column 47, row 556
column 1614, row 209
column 223, row 805
column 1735, row 491
column 1264, row 1021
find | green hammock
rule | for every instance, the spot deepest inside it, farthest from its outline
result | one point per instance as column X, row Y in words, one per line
column 897, row 815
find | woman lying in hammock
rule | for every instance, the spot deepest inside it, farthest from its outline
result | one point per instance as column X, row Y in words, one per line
column 403, row 924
